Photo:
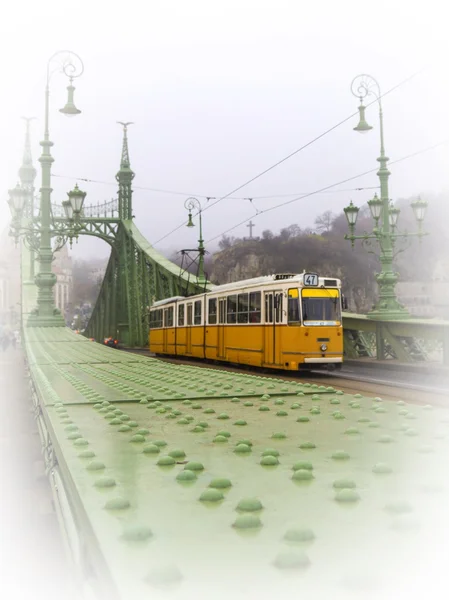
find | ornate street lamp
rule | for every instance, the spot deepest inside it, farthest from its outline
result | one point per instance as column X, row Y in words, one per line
column 194, row 204
column 46, row 315
column 72, row 210
column 17, row 199
column 385, row 215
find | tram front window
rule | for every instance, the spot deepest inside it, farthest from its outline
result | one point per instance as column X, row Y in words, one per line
column 321, row 309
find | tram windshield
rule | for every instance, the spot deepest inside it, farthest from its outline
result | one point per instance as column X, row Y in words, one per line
column 321, row 307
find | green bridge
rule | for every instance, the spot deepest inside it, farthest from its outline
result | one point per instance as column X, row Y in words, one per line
column 174, row 481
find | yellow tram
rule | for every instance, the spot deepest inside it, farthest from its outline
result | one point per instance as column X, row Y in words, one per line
column 283, row 321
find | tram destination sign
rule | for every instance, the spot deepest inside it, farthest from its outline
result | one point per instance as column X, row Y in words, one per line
column 310, row 279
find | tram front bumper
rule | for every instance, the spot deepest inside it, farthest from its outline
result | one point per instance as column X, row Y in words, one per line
column 324, row 359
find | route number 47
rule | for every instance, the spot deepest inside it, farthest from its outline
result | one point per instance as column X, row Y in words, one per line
column 310, row 279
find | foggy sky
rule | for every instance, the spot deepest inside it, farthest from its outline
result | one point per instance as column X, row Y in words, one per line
column 218, row 92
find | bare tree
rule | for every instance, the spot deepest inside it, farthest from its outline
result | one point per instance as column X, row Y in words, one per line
column 324, row 222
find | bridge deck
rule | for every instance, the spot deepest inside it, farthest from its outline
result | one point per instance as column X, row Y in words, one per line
column 114, row 418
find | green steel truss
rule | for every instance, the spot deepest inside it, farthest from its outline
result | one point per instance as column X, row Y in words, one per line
column 136, row 275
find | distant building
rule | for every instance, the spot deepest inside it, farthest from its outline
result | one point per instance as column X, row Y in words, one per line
column 9, row 281
column 62, row 268
column 425, row 300
column 97, row 269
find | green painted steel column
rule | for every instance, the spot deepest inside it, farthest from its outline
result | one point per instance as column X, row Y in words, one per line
column 46, row 314
column 387, row 305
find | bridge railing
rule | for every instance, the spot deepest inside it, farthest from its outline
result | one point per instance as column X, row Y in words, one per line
column 406, row 341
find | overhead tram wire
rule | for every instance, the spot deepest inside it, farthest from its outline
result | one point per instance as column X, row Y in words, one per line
column 279, row 162
column 398, row 160
column 178, row 193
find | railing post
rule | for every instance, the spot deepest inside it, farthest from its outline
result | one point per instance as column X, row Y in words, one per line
column 380, row 344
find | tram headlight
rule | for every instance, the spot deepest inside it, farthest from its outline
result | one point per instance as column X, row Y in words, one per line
column 323, row 347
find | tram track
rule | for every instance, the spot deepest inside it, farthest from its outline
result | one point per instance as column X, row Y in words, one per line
column 377, row 384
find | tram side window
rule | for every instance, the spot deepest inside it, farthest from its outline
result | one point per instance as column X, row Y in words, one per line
column 212, row 311
column 181, row 310
column 197, row 313
column 168, row 317
column 242, row 305
column 254, row 307
column 156, row 319
column 189, row 313
column 232, row 309
column 278, row 307
column 293, row 306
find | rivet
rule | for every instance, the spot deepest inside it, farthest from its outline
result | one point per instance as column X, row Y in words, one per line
column 247, row 522
column 124, row 428
column 177, row 453
column 211, row 495
column 302, row 465
column 95, row 465
column 117, row 504
column 347, row 495
column 166, row 461
column 151, row 449
column 269, row 461
column 382, row 468
column 220, row 483
column 137, row 533
column 290, row 560
column 270, row 452
column 299, row 535
column 242, row 448
column 344, row 483
column 137, row 438
column 340, row 455
column 186, row 475
column 86, row 454
column 194, row 466
column 307, row 446
column 105, row 482
column 302, row 475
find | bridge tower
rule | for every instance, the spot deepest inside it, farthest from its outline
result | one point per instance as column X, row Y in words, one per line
column 124, row 177
column 27, row 175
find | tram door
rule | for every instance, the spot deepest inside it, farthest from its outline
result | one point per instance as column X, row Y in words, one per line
column 221, row 328
column 165, row 332
column 189, row 328
column 272, row 332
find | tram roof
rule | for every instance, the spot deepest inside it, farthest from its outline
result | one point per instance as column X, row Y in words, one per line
column 255, row 281
column 275, row 278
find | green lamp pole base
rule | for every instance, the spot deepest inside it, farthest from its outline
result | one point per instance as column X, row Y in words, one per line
column 46, row 315
column 387, row 307
column 56, row 320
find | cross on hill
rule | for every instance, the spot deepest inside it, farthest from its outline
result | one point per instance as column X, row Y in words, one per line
column 251, row 225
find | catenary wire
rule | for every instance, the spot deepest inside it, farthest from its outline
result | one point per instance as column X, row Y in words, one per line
column 178, row 193
column 303, row 147
column 413, row 154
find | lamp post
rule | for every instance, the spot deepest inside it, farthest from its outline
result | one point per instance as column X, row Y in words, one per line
column 194, row 204
column 384, row 214
column 46, row 315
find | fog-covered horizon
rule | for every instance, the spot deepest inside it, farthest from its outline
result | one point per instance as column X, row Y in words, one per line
column 219, row 92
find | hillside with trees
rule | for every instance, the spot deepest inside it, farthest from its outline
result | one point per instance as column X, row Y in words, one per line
column 324, row 250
